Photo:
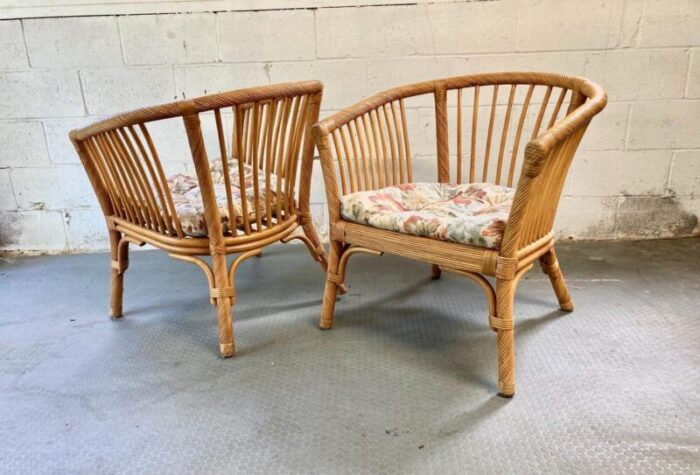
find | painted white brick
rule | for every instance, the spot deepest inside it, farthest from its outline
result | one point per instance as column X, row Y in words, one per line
column 628, row 75
column 672, row 124
column 607, row 130
column 346, row 81
column 60, row 147
column 564, row 63
column 586, row 217
column 23, row 144
column 32, row 231
column 318, row 189
column 193, row 81
column 86, row 229
column 475, row 27
column 168, row 39
column 52, row 188
column 611, row 173
column 13, row 55
column 266, row 35
column 71, row 42
column 114, row 90
column 667, row 23
column 631, row 20
column 7, row 198
column 685, row 173
column 568, row 25
column 49, row 93
column 371, row 31
column 694, row 76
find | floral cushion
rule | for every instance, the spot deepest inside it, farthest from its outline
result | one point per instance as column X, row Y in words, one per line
column 187, row 196
column 473, row 214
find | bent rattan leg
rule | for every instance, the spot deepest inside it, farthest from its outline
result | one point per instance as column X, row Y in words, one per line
column 435, row 272
column 333, row 281
column 120, row 261
column 503, row 323
column 550, row 266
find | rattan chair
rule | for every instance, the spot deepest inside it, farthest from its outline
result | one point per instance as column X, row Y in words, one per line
column 473, row 223
column 242, row 201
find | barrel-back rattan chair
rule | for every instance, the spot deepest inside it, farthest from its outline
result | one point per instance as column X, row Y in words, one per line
column 240, row 201
column 492, row 210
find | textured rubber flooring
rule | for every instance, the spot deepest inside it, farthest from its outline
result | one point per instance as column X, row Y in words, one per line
column 404, row 383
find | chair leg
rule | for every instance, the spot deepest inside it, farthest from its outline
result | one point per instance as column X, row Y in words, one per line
column 550, row 266
column 505, row 294
column 227, row 345
column 225, row 296
column 310, row 232
column 435, row 272
column 332, row 284
column 119, row 264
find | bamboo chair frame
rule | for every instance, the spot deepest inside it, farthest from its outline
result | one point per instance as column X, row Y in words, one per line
column 367, row 146
column 270, row 132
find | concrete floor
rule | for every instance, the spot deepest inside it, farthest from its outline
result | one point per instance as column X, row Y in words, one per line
column 405, row 383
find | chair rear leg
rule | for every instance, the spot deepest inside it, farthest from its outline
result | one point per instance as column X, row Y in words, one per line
column 120, row 261
column 333, row 282
column 435, row 272
column 550, row 266
column 505, row 338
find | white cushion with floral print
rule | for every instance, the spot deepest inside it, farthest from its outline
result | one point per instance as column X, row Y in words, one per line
column 187, row 196
column 474, row 214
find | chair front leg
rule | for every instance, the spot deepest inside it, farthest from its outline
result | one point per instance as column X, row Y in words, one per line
column 505, row 338
column 550, row 266
column 119, row 264
column 333, row 282
column 225, row 297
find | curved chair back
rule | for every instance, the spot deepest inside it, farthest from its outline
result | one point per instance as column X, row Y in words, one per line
column 261, row 131
column 515, row 128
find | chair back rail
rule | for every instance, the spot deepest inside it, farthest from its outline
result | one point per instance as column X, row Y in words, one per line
column 262, row 132
column 519, row 128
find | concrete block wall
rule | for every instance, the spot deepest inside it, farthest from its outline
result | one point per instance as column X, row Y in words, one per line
column 637, row 174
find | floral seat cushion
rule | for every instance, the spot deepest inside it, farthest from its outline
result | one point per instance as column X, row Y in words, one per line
column 474, row 214
column 187, row 197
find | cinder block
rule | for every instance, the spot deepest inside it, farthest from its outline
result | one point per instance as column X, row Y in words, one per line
column 610, row 173
column 685, row 173
column 60, row 147
column 474, row 27
column 48, row 93
column 646, row 217
column 168, row 39
column 345, row 81
column 544, row 25
column 193, row 81
column 607, row 130
column 667, row 23
column 71, row 42
column 114, row 90
column 564, row 63
column 629, row 75
column 57, row 187
column 86, row 229
column 23, row 144
column 32, row 231
column 694, row 76
column 586, row 218
column 672, row 124
column 362, row 32
column 7, row 197
column 279, row 35
column 13, row 55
